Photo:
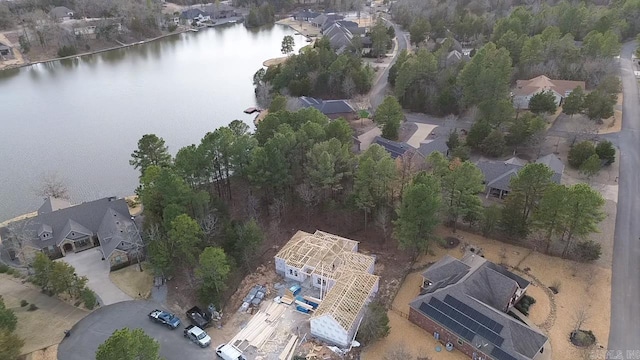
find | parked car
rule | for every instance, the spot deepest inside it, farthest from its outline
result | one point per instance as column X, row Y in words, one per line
column 229, row 352
column 198, row 317
column 197, row 335
column 165, row 318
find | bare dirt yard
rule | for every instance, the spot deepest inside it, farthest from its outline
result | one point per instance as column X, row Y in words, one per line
column 134, row 282
column 43, row 327
column 580, row 286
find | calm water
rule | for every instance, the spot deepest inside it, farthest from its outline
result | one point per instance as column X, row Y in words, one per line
column 82, row 118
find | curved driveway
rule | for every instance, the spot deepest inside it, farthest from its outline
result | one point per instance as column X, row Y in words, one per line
column 96, row 327
column 625, row 282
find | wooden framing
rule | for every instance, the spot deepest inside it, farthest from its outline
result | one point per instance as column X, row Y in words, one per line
column 346, row 299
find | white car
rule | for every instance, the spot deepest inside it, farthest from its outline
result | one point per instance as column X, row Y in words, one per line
column 229, row 352
column 197, row 335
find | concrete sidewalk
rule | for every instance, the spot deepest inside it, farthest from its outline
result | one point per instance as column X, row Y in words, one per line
column 89, row 263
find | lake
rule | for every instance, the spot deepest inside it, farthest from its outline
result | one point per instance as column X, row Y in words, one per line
column 82, row 118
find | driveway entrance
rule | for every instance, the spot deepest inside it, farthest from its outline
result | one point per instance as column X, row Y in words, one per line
column 89, row 263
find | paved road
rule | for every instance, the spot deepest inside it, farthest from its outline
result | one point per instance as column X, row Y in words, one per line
column 625, row 282
column 96, row 327
column 379, row 89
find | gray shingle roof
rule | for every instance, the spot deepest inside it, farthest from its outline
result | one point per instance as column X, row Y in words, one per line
column 555, row 164
column 85, row 217
column 485, row 290
column 117, row 230
column 438, row 144
column 59, row 12
column 498, row 174
column 327, row 107
column 192, row 13
column 53, row 204
column 44, row 228
column 394, row 148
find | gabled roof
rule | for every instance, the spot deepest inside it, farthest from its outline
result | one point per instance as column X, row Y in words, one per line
column 327, row 107
column 543, row 83
column 44, row 228
column 498, row 173
column 116, row 231
column 473, row 306
column 53, row 204
column 394, row 148
column 552, row 161
column 307, row 14
column 59, row 12
column 192, row 13
column 438, row 144
column 319, row 20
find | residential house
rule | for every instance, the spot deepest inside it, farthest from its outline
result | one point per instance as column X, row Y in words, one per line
column 351, row 25
column 220, row 11
column 394, row 148
column 91, row 29
column 468, row 304
column 333, row 109
column 305, row 15
column 6, row 52
column 455, row 57
column 196, row 16
column 438, row 144
column 525, row 89
column 345, row 278
column 321, row 19
column 498, row 174
column 61, row 228
column 61, row 13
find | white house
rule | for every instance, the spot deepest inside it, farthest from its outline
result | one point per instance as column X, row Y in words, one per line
column 525, row 89
column 344, row 277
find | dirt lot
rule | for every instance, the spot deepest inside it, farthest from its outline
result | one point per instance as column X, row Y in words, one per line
column 585, row 285
column 43, row 327
column 134, row 282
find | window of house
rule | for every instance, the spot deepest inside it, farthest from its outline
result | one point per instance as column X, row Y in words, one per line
column 460, row 342
column 73, row 234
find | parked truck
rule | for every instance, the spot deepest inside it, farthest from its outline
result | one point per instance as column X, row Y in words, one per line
column 198, row 317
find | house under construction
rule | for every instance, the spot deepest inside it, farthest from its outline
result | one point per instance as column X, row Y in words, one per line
column 345, row 278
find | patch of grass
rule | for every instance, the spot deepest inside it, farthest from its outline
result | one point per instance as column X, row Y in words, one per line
column 23, row 303
column 4, row 268
column 32, row 307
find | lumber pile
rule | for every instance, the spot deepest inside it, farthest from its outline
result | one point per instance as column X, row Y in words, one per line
column 260, row 328
column 289, row 349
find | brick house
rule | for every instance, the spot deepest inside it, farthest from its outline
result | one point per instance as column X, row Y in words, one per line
column 468, row 305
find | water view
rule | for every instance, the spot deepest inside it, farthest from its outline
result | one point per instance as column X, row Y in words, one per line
column 82, row 118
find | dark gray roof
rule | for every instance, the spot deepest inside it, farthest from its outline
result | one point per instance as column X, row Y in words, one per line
column 498, row 174
column 438, row 144
column 552, row 162
column 481, row 295
column 44, row 228
column 117, row 230
column 4, row 47
column 319, row 20
column 327, row 107
column 83, row 218
column 53, row 204
column 307, row 14
column 192, row 13
column 394, row 148
column 59, row 12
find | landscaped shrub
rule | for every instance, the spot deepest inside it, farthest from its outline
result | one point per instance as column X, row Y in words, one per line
column 4, row 268
column 580, row 152
column 23, row 303
column 375, row 324
column 89, row 298
column 67, row 50
column 588, row 250
column 606, row 152
column 582, row 338
column 172, row 27
column 32, row 307
column 525, row 303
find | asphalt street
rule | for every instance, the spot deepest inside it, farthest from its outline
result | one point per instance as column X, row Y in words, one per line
column 624, row 337
column 96, row 327
column 379, row 89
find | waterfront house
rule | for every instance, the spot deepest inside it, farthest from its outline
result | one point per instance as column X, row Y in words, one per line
column 468, row 304
column 305, row 15
column 61, row 13
column 333, row 109
column 61, row 228
column 195, row 16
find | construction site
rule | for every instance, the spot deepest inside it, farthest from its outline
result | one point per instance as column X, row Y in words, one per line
column 316, row 309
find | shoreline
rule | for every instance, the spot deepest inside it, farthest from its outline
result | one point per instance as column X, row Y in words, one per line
column 177, row 32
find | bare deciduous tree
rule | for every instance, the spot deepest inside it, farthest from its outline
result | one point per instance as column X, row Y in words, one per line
column 51, row 185
column 253, row 204
column 20, row 233
column 580, row 316
column 383, row 221
column 263, row 95
column 210, row 224
column 309, row 198
column 398, row 352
